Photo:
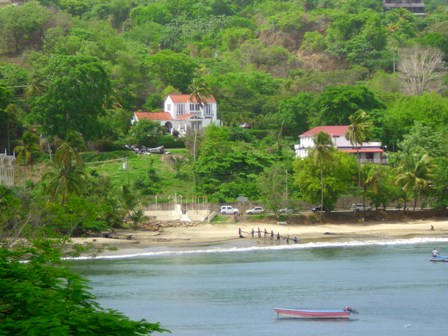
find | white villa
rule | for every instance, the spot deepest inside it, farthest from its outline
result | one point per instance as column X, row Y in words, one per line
column 368, row 151
column 7, row 169
column 181, row 113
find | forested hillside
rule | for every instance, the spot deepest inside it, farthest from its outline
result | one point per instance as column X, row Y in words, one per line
column 266, row 62
column 72, row 72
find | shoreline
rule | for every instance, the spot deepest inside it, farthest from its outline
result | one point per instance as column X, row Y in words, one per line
column 200, row 235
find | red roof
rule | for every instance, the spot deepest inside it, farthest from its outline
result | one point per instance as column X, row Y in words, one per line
column 331, row 130
column 185, row 98
column 153, row 115
column 362, row 150
column 185, row 116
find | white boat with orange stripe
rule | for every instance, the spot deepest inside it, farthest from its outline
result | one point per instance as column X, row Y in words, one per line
column 315, row 313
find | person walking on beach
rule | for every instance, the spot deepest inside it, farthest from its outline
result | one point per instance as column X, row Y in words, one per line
column 278, row 236
column 272, row 234
column 253, row 232
column 295, row 240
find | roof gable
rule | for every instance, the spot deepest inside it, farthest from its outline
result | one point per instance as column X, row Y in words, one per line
column 185, row 98
column 187, row 116
column 331, row 130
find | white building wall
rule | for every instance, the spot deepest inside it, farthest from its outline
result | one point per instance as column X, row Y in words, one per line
column 340, row 142
column 169, row 106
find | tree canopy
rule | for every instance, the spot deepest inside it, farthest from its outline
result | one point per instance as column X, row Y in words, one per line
column 42, row 296
column 76, row 92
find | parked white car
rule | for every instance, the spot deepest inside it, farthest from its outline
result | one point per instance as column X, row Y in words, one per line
column 228, row 210
column 360, row 207
column 256, row 210
column 287, row 211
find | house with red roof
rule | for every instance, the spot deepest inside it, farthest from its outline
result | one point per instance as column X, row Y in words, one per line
column 368, row 151
column 182, row 112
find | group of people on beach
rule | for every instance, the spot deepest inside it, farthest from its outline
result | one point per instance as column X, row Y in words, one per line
column 271, row 235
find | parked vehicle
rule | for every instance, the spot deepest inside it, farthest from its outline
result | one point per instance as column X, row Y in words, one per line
column 360, row 207
column 256, row 210
column 317, row 209
column 229, row 210
column 287, row 211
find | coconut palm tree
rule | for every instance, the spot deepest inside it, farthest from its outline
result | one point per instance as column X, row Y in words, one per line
column 357, row 133
column 137, row 216
column 321, row 153
column 200, row 91
column 67, row 174
column 28, row 146
column 177, row 162
column 418, row 178
column 67, row 155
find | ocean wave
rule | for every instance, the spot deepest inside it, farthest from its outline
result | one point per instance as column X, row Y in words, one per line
column 243, row 249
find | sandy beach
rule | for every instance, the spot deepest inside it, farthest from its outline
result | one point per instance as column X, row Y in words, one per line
column 215, row 234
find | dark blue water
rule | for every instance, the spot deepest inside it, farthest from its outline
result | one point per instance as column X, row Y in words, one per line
column 229, row 291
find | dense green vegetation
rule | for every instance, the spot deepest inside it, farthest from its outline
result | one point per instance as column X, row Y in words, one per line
column 73, row 71
column 43, row 297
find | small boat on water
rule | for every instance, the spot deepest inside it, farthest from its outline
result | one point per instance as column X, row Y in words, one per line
column 439, row 258
column 314, row 314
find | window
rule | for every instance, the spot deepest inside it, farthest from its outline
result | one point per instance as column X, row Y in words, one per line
column 195, row 107
column 168, row 107
column 180, row 109
column 208, row 109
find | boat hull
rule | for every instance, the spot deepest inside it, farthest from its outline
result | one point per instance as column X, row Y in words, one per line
column 312, row 314
column 439, row 259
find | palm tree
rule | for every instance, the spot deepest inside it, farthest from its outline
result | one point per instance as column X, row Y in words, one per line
column 67, row 155
column 357, row 133
column 27, row 147
column 199, row 91
column 138, row 216
column 321, row 153
column 177, row 162
column 418, row 178
column 67, row 175
column 129, row 199
column 130, row 206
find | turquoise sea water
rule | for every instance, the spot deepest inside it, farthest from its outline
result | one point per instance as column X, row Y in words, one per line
column 231, row 289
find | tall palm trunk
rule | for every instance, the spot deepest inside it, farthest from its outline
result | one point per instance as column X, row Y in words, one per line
column 358, row 159
column 321, row 190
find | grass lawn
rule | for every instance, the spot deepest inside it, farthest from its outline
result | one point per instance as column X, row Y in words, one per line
column 113, row 165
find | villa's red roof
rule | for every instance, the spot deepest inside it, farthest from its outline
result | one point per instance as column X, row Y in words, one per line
column 331, row 130
column 185, row 116
column 185, row 98
column 362, row 150
column 153, row 115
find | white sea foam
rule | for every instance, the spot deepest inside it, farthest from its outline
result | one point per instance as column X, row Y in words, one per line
column 242, row 249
